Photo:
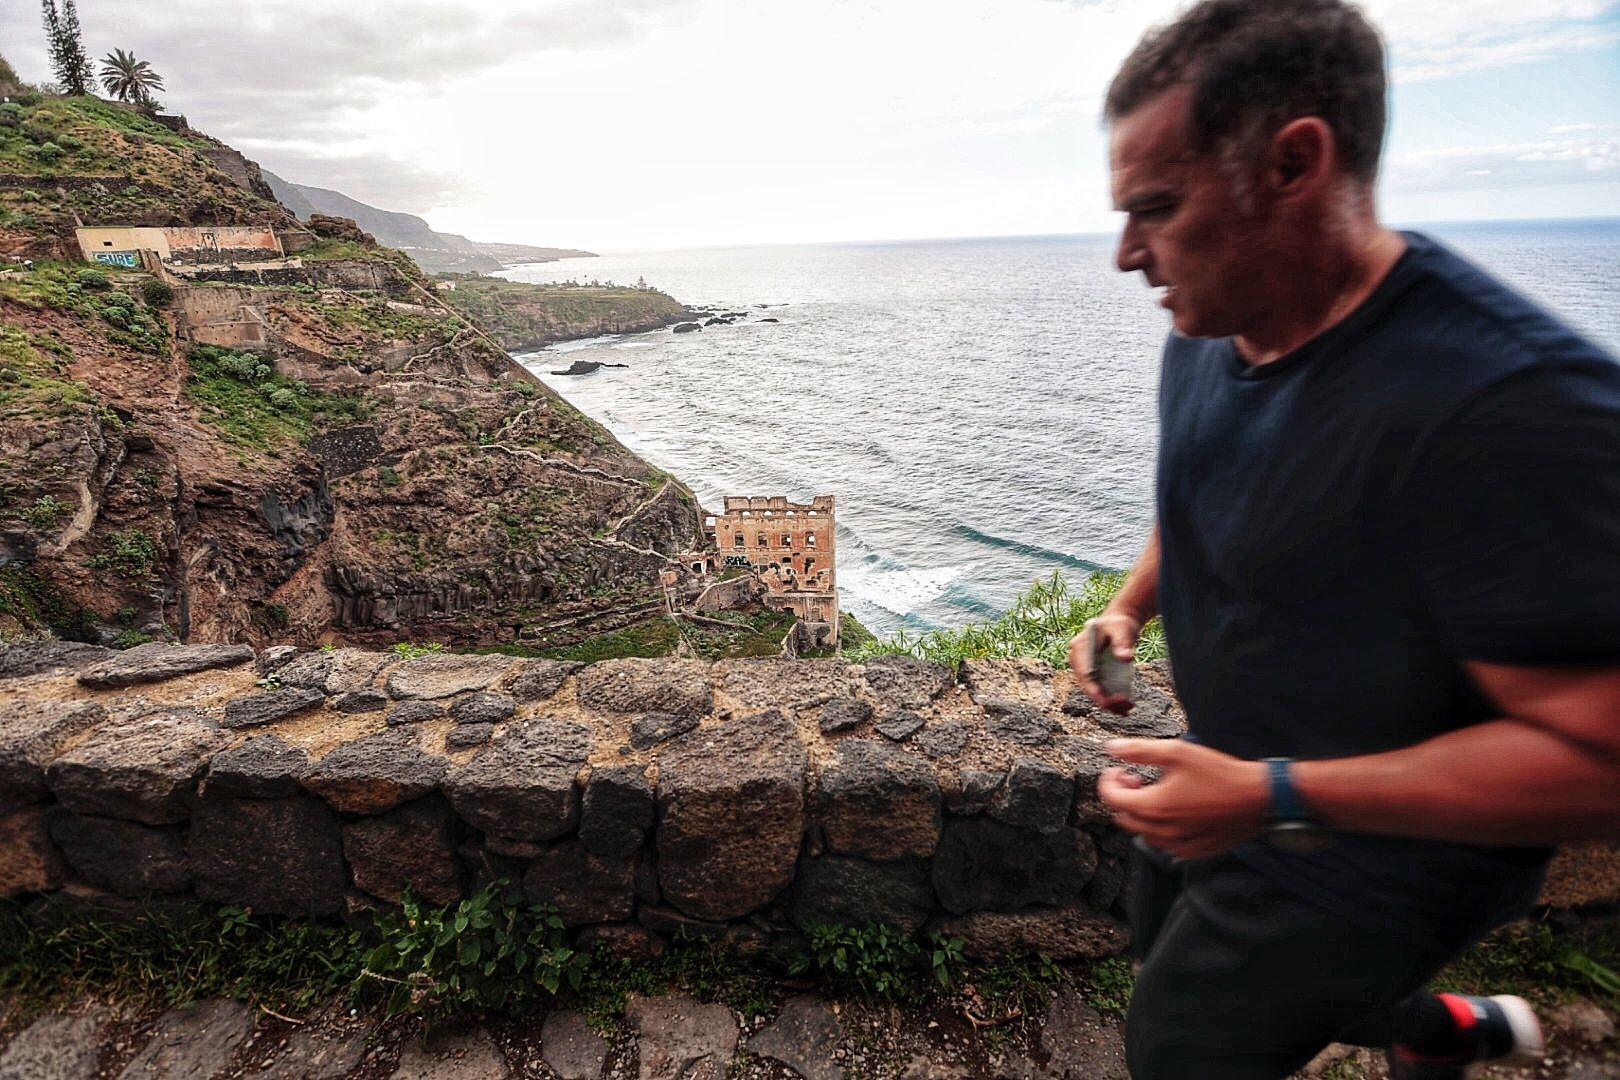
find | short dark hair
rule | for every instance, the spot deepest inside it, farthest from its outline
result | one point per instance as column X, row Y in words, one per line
column 1254, row 65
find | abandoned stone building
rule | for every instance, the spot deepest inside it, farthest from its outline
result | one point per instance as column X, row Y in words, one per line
column 118, row 245
column 789, row 547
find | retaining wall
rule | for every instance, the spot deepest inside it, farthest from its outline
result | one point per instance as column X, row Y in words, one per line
column 742, row 800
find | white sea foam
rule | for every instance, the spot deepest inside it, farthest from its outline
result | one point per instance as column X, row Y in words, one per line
column 898, row 591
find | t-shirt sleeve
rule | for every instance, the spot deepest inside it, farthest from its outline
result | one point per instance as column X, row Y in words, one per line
column 1512, row 520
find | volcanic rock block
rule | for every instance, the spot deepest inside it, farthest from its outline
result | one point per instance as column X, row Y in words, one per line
column 251, row 710
column 571, row 1047
column 832, row 890
column 360, row 701
column 141, row 771
column 415, row 712
column 334, row 671
column 193, row 1042
column 263, row 767
column 32, row 734
column 975, row 790
column 650, row 729
column 121, row 856
column 538, row 680
column 731, row 815
column 1021, row 724
column 1063, row 933
column 901, row 724
column 274, row 658
column 680, row 1039
column 1036, row 796
column 1087, row 758
column 800, row 1037
column 777, row 683
column 28, row 861
column 442, row 675
column 277, row 856
column 375, row 773
column 466, row 736
column 524, row 784
column 1154, row 714
column 55, row 657
column 944, row 738
column 904, row 682
column 413, row 845
column 843, row 713
column 55, row 1047
column 1024, row 681
column 156, row 662
column 878, row 802
column 617, row 810
column 485, row 707
column 985, row 865
column 680, row 687
column 582, row 886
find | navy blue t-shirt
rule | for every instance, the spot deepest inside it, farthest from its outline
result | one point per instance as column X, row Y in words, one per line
column 1435, row 479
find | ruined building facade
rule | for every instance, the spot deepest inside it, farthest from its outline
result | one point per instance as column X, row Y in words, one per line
column 790, row 547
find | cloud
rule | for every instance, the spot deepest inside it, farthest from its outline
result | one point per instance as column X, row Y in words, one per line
column 1542, row 162
column 1440, row 40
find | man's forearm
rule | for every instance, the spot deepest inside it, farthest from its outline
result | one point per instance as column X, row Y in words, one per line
column 1139, row 596
column 1501, row 782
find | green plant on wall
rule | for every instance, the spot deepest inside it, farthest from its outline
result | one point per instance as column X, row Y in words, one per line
column 482, row 954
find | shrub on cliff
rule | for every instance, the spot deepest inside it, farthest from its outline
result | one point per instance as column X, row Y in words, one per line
column 1041, row 622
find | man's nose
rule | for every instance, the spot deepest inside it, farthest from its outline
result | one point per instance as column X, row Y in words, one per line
column 1132, row 254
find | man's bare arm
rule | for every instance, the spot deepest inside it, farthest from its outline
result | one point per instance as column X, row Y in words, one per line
column 1547, row 772
column 1121, row 622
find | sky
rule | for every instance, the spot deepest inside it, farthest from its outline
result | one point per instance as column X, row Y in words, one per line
column 638, row 124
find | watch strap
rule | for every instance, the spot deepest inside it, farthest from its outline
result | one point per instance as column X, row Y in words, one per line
column 1286, row 805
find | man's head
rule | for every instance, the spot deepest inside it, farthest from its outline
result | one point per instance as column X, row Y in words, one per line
column 1253, row 65
column 1244, row 133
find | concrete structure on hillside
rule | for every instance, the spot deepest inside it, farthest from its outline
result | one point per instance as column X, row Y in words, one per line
column 122, row 245
column 790, row 547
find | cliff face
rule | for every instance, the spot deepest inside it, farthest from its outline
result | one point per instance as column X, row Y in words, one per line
column 522, row 316
column 338, row 457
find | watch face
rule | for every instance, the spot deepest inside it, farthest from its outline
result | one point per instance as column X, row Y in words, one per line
column 1298, row 837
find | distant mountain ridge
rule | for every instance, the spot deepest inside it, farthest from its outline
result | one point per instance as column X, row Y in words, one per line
column 435, row 252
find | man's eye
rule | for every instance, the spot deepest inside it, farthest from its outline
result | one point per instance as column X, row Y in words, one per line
column 1151, row 213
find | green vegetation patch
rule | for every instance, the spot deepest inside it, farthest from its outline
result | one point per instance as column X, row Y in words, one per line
column 32, row 382
column 38, row 604
column 655, row 637
column 253, row 405
column 87, row 293
column 1545, row 963
column 1041, row 622
column 128, row 552
column 377, row 317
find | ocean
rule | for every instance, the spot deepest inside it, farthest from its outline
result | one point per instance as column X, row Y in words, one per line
column 983, row 409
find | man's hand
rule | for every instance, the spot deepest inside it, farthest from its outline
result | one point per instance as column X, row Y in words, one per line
column 1204, row 803
column 1116, row 631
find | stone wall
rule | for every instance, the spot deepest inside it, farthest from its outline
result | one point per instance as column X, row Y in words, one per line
column 742, row 800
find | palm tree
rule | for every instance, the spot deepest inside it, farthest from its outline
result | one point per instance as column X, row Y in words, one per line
column 129, row 79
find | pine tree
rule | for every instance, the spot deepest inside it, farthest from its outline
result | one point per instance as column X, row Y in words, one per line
column 68, row 58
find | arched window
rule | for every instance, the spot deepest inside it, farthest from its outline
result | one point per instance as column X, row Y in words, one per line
column 810, row 539
column 737, row 541
column 787, row 540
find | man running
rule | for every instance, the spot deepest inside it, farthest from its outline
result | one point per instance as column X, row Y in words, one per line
column 1387, row 554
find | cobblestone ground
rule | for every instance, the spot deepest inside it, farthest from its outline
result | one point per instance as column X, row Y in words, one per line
column 672, row 1037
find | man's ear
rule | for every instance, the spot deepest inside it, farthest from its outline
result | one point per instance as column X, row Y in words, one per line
column 1300, row 158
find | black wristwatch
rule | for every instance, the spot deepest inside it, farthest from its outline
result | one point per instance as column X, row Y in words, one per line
column 1291, row 828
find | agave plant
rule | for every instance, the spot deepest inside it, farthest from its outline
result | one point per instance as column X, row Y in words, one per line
column 129, row 79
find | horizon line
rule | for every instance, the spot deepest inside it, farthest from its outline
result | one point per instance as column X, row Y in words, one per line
column 1591, row 219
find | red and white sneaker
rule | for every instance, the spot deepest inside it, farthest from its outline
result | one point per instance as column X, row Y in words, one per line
column 1502, row 1029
